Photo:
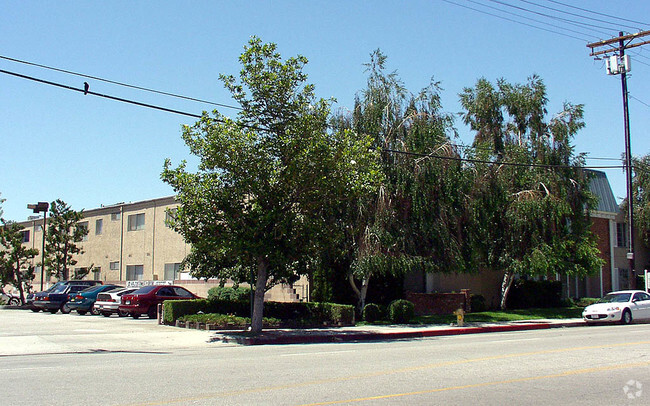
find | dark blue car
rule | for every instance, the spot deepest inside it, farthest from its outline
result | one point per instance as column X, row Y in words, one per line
column 83, row 301
column 57, row 295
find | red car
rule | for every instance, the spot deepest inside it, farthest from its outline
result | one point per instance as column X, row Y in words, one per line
column 145, row 300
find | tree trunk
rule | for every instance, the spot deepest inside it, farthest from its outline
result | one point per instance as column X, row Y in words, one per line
column 361, row 293
column 506, row 284
column 260, row 288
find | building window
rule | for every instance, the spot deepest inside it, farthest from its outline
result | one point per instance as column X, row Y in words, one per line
column 114, row 266
column 99, row 226
column 39, row 228
column 170, row 216
column 171, row 270
column 84, row 226
column 136, row 222
column 25, row 234
column 621, row 235
column 97, row 271
column 134, row 272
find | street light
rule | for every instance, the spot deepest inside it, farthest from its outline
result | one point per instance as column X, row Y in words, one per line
column 41, row 207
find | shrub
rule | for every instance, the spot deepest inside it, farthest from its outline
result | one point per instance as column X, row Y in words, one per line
column 227, row 320
column 298, row 314
column 477, row 303
column 229, row 293
column 401, row 311
column 526, row 294
column 371, row 313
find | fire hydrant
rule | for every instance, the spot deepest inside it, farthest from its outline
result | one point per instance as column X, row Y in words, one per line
column 460, row 317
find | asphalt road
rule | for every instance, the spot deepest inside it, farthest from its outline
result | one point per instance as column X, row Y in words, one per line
column 89, row 360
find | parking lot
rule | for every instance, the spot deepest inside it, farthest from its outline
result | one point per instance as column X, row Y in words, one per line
column 24, row 332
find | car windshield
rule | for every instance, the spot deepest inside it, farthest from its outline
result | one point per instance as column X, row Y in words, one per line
column 92, row 288
column 144, row 290
column 58, row 289
column 615, row 298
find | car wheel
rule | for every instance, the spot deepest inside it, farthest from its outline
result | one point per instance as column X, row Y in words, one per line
column 106, row 314
column 135, row 316
column 94, row 311
column 120, row 313
column 14, row 301
column 35, row 310
column 54, row 311
column 81, row 312
column 626, row 318
column 152, row 312
column 65, row 309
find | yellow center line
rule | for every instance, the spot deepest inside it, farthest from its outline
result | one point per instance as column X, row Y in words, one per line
column 484, row 384
column 383, row 373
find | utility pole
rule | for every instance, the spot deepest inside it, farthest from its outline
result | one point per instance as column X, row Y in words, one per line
column 619, row 63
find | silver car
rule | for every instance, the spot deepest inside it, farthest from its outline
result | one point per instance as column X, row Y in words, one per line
column 108, row 303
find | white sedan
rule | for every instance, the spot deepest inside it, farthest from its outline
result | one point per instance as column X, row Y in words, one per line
column 622, row 306
column 107, row 303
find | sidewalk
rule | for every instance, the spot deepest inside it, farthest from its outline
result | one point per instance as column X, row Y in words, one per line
column 383, row 333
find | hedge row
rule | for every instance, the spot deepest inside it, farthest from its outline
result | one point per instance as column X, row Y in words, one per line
column 297, row 314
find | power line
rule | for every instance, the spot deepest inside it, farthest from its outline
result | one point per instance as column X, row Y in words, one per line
column 137, row 103
column 88, row 92
column 568, row 21
column 597, row 13
column 573, row 14
column 515, row 21
column 119, row 83
column 527, row 18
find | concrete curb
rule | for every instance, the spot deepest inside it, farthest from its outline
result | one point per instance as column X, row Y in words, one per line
column 306, row 337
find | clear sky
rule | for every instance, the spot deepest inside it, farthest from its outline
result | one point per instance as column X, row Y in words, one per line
column 89, row 151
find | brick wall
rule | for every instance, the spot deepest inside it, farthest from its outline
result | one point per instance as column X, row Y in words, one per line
column 439, row 303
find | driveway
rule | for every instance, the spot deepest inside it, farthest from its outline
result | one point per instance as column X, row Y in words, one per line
column 24, row 332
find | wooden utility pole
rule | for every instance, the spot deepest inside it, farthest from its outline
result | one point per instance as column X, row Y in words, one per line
column 619, row 63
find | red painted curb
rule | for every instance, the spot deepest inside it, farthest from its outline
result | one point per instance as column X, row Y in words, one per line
column 377, row 336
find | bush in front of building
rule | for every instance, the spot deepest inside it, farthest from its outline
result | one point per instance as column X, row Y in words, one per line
column 401, row 311
column 371, row 313
column 229, row 293
column 526, row 294
column 291, row 314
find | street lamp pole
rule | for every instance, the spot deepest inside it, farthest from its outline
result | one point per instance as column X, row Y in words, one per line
column 38, row 208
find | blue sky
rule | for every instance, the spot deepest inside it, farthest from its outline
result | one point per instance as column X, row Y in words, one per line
column 89, row 151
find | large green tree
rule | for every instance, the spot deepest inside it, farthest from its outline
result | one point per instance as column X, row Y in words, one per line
column 64, row 232
column 417, row 221
column 16, row 268
column 269, row 180
column 530, row 201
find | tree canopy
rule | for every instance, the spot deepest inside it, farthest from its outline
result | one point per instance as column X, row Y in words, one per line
column 268, row 181
column 64, row 231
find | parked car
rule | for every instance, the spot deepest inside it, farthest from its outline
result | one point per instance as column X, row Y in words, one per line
column 623, row 306
column 57, row 299
column 109, row 302
column 32, row 298
column 83, row 301
column 9, row 298
column 146, row 299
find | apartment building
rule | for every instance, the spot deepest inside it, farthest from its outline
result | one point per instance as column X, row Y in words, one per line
column 125, row 241
column 133, row 242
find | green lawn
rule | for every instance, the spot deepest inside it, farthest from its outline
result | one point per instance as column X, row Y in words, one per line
column 510, row 315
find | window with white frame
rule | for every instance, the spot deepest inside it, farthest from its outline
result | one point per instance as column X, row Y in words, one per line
column 136, row 222
column 99, row 226
column 116, row 216
column 84, row 225
column 134, row 272
column 114, row 266
column 171, row 270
